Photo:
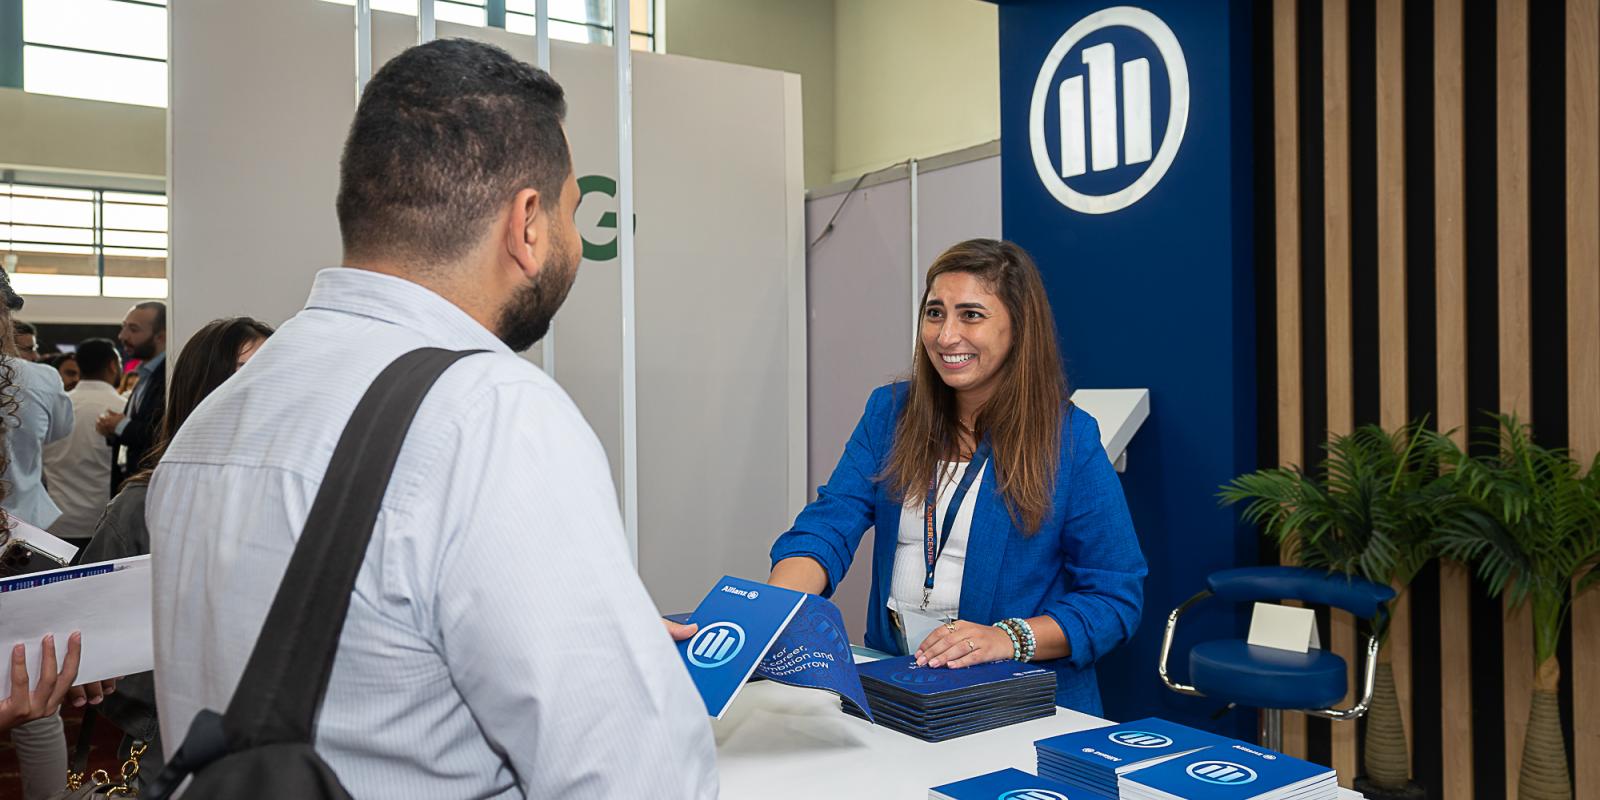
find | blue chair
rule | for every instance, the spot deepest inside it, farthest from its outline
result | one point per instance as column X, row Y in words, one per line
column 1275, row 680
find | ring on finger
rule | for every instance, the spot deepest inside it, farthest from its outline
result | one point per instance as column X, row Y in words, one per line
column 970, row 646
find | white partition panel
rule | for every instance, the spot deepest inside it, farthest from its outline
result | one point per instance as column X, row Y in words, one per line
column 261, row 103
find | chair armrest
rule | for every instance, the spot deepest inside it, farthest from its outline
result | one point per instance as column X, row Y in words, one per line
column 1166, row 645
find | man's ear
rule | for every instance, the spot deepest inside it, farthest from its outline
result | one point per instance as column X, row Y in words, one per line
column 525, row 231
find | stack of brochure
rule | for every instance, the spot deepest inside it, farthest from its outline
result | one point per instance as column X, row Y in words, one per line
column 1012, row 784
column 1236, row 771
column 934, row 704
column 1091, row 760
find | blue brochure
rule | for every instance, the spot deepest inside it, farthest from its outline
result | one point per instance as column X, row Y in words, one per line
column 1010, row 784
column 903, row 675
column 1118, row 748
column 1235, row 771
column 749, row 628
column 813, row 651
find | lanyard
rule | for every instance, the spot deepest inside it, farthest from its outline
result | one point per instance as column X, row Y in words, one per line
column 934, row 547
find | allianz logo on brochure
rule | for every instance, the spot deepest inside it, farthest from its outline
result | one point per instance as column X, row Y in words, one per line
column 748, row 595
column 1141, row 739
column 1032, row 794
column 1222, row 773
column 716, row 644
column 1106, row 111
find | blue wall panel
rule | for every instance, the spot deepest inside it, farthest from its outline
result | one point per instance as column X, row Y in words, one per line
column 1158, row 293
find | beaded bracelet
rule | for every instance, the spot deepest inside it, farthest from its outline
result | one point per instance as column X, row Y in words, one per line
column 1016, row 644
column 1024, row 632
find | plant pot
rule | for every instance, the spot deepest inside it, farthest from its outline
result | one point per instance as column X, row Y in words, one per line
column 1544, row 774
column 1388, row 767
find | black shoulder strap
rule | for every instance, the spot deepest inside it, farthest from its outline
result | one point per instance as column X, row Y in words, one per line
column 288, row 672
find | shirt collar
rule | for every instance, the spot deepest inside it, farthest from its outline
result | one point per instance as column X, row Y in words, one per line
column 401, row 302
column 147, row 367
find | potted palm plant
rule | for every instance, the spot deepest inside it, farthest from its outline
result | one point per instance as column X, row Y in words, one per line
column 1370, row 511
column 1533, row 533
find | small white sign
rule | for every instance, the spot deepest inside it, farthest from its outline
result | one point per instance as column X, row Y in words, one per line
column 1284, row 628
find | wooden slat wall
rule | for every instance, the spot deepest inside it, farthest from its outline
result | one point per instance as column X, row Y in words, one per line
column 1286, row 181
column 1583, row 353
column 1450, row 310
column 1336, row 265
column 1509, row 382
column 1516, row 379
column 1393, row 396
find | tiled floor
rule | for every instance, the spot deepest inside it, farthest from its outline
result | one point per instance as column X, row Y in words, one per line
column 102, row 756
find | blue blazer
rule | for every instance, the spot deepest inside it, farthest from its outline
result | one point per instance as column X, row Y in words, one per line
column 1083, row 568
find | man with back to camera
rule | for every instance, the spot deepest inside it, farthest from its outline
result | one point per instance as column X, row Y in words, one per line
column 131, row 433
column 500, row 643
column 79, row 466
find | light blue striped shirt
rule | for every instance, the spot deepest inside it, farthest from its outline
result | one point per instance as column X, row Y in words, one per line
column 500, row 643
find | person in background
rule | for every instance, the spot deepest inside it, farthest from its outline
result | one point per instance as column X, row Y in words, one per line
column 130, row 381
column 78, row 467
column 43, row 414
column 133, row 431
column 27, row 340
column 211, row 356
column 66, row 365
column 500, row 643
column 1038, row 561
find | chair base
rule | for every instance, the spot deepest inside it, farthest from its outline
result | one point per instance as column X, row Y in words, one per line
column 1272, row 729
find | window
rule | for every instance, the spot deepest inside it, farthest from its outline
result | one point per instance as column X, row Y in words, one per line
column 113, row 50
column 84, row 242
column 570, row 20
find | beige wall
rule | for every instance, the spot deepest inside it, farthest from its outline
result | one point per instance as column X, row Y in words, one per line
column 790, row 35
column 64, row 133
column 915, row 78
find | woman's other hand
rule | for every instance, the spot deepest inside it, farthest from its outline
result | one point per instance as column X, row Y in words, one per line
column 963, row 644
column 45, row 698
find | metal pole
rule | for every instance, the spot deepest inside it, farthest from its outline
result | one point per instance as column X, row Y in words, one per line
column 542, row 32
column 916, row 261
column 541, row 46
column 426, row 30
column 630, row 417
column 363, row 45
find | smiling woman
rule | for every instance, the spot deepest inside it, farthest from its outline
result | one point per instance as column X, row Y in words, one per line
column 1001, row 526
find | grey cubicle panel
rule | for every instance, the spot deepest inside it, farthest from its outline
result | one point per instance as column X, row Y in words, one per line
column 262, row 97
column 860, row 293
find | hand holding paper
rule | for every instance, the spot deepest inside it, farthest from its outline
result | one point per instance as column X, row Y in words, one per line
column 22, row 705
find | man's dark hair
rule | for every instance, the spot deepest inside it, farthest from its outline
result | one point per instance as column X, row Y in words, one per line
column 161, row 316
column 24, row 328
column 96, row 357
column 445, row 134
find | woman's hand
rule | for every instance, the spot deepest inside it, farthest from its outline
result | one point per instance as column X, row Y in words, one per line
column 45, row 698
column 963, row 644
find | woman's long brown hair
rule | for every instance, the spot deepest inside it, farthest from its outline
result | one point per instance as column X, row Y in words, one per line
column 1022, row 419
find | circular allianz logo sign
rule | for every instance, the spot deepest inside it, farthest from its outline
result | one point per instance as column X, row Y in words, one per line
column 1032, row 794
column 716, row 644
column 1140, row 739
column 1093, row 119
column 1222, row 773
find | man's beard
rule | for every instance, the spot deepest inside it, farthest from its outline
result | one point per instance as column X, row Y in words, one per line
column 145, row 351
column 526, row 319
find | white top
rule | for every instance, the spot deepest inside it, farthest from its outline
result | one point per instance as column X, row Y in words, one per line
column 910, row 559
column 79, row 466
column 43, row 415
column 500, row 643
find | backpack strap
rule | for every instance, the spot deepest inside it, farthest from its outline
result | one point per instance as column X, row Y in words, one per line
column 287, row 676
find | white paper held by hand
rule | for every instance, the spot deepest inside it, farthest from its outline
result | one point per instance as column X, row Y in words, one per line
column 111, row 610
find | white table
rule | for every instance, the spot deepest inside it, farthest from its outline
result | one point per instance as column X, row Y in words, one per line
column 781, row 742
